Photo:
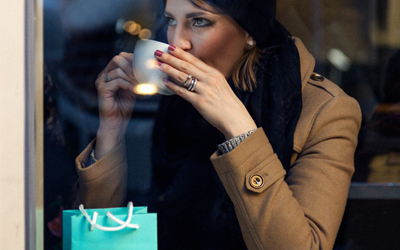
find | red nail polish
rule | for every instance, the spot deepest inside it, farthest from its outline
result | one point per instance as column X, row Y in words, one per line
column 159, row 63
column 171, row 48
column 158, row 53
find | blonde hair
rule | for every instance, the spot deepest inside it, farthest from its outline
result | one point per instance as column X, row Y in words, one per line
column 245, row 69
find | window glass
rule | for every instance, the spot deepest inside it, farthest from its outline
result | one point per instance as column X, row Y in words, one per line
column 80, row 38
column 355, row 43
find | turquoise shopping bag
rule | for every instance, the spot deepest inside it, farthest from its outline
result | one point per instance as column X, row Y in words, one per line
column 140, row 233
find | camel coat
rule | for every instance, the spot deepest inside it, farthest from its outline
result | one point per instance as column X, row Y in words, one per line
column 301, row 209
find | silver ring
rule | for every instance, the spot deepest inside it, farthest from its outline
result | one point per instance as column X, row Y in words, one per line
column 187, row 80
column 192, row 84
column 108, row 78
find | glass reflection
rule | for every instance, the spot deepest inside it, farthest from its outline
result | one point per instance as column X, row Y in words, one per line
column 356, row 44
column 80, row 38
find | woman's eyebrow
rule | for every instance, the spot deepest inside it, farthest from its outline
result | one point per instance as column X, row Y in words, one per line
column 194, row 14
column 189, row 15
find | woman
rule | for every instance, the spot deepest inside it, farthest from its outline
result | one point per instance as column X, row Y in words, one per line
column 281, row 178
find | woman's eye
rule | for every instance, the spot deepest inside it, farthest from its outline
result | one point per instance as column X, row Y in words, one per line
column 201, row 22
column 170, row 21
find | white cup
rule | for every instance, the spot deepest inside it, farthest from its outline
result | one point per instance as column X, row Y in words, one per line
column 144, row 65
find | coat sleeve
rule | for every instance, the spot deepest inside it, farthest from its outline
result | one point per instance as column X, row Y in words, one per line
column 104, row 183
column 305, row 210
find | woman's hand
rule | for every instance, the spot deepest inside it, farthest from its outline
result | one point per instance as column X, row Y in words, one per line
column 116, row 101
column 212, row 96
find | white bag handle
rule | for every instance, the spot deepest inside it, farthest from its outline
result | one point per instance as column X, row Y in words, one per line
column 112, row 217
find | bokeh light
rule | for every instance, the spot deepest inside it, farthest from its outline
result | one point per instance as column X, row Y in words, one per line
column 145, row 89
column 145, row 34
column 132, row 28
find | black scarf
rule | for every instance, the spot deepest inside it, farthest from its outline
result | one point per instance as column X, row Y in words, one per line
column 193, row 207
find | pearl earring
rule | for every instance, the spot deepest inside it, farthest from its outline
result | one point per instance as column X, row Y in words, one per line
column 251, row 43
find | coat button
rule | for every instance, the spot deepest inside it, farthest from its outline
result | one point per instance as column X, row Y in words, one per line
column 256, row 181
column 317, row 77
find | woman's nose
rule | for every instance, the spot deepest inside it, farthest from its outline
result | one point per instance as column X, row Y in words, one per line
column 181, row 39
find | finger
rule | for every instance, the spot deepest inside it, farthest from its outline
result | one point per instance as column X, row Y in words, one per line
column 114, row 85
column 177, row 64
column 181, row 91
column 120, row 62
column 187, row 57
column 118, row 73
column 177, row 76
column 176, row 68
column 127, row 56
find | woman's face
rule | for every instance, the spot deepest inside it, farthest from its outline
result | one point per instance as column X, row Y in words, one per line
column 215, row 39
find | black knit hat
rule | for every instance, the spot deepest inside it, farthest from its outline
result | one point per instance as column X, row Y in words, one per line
column 256, row 17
